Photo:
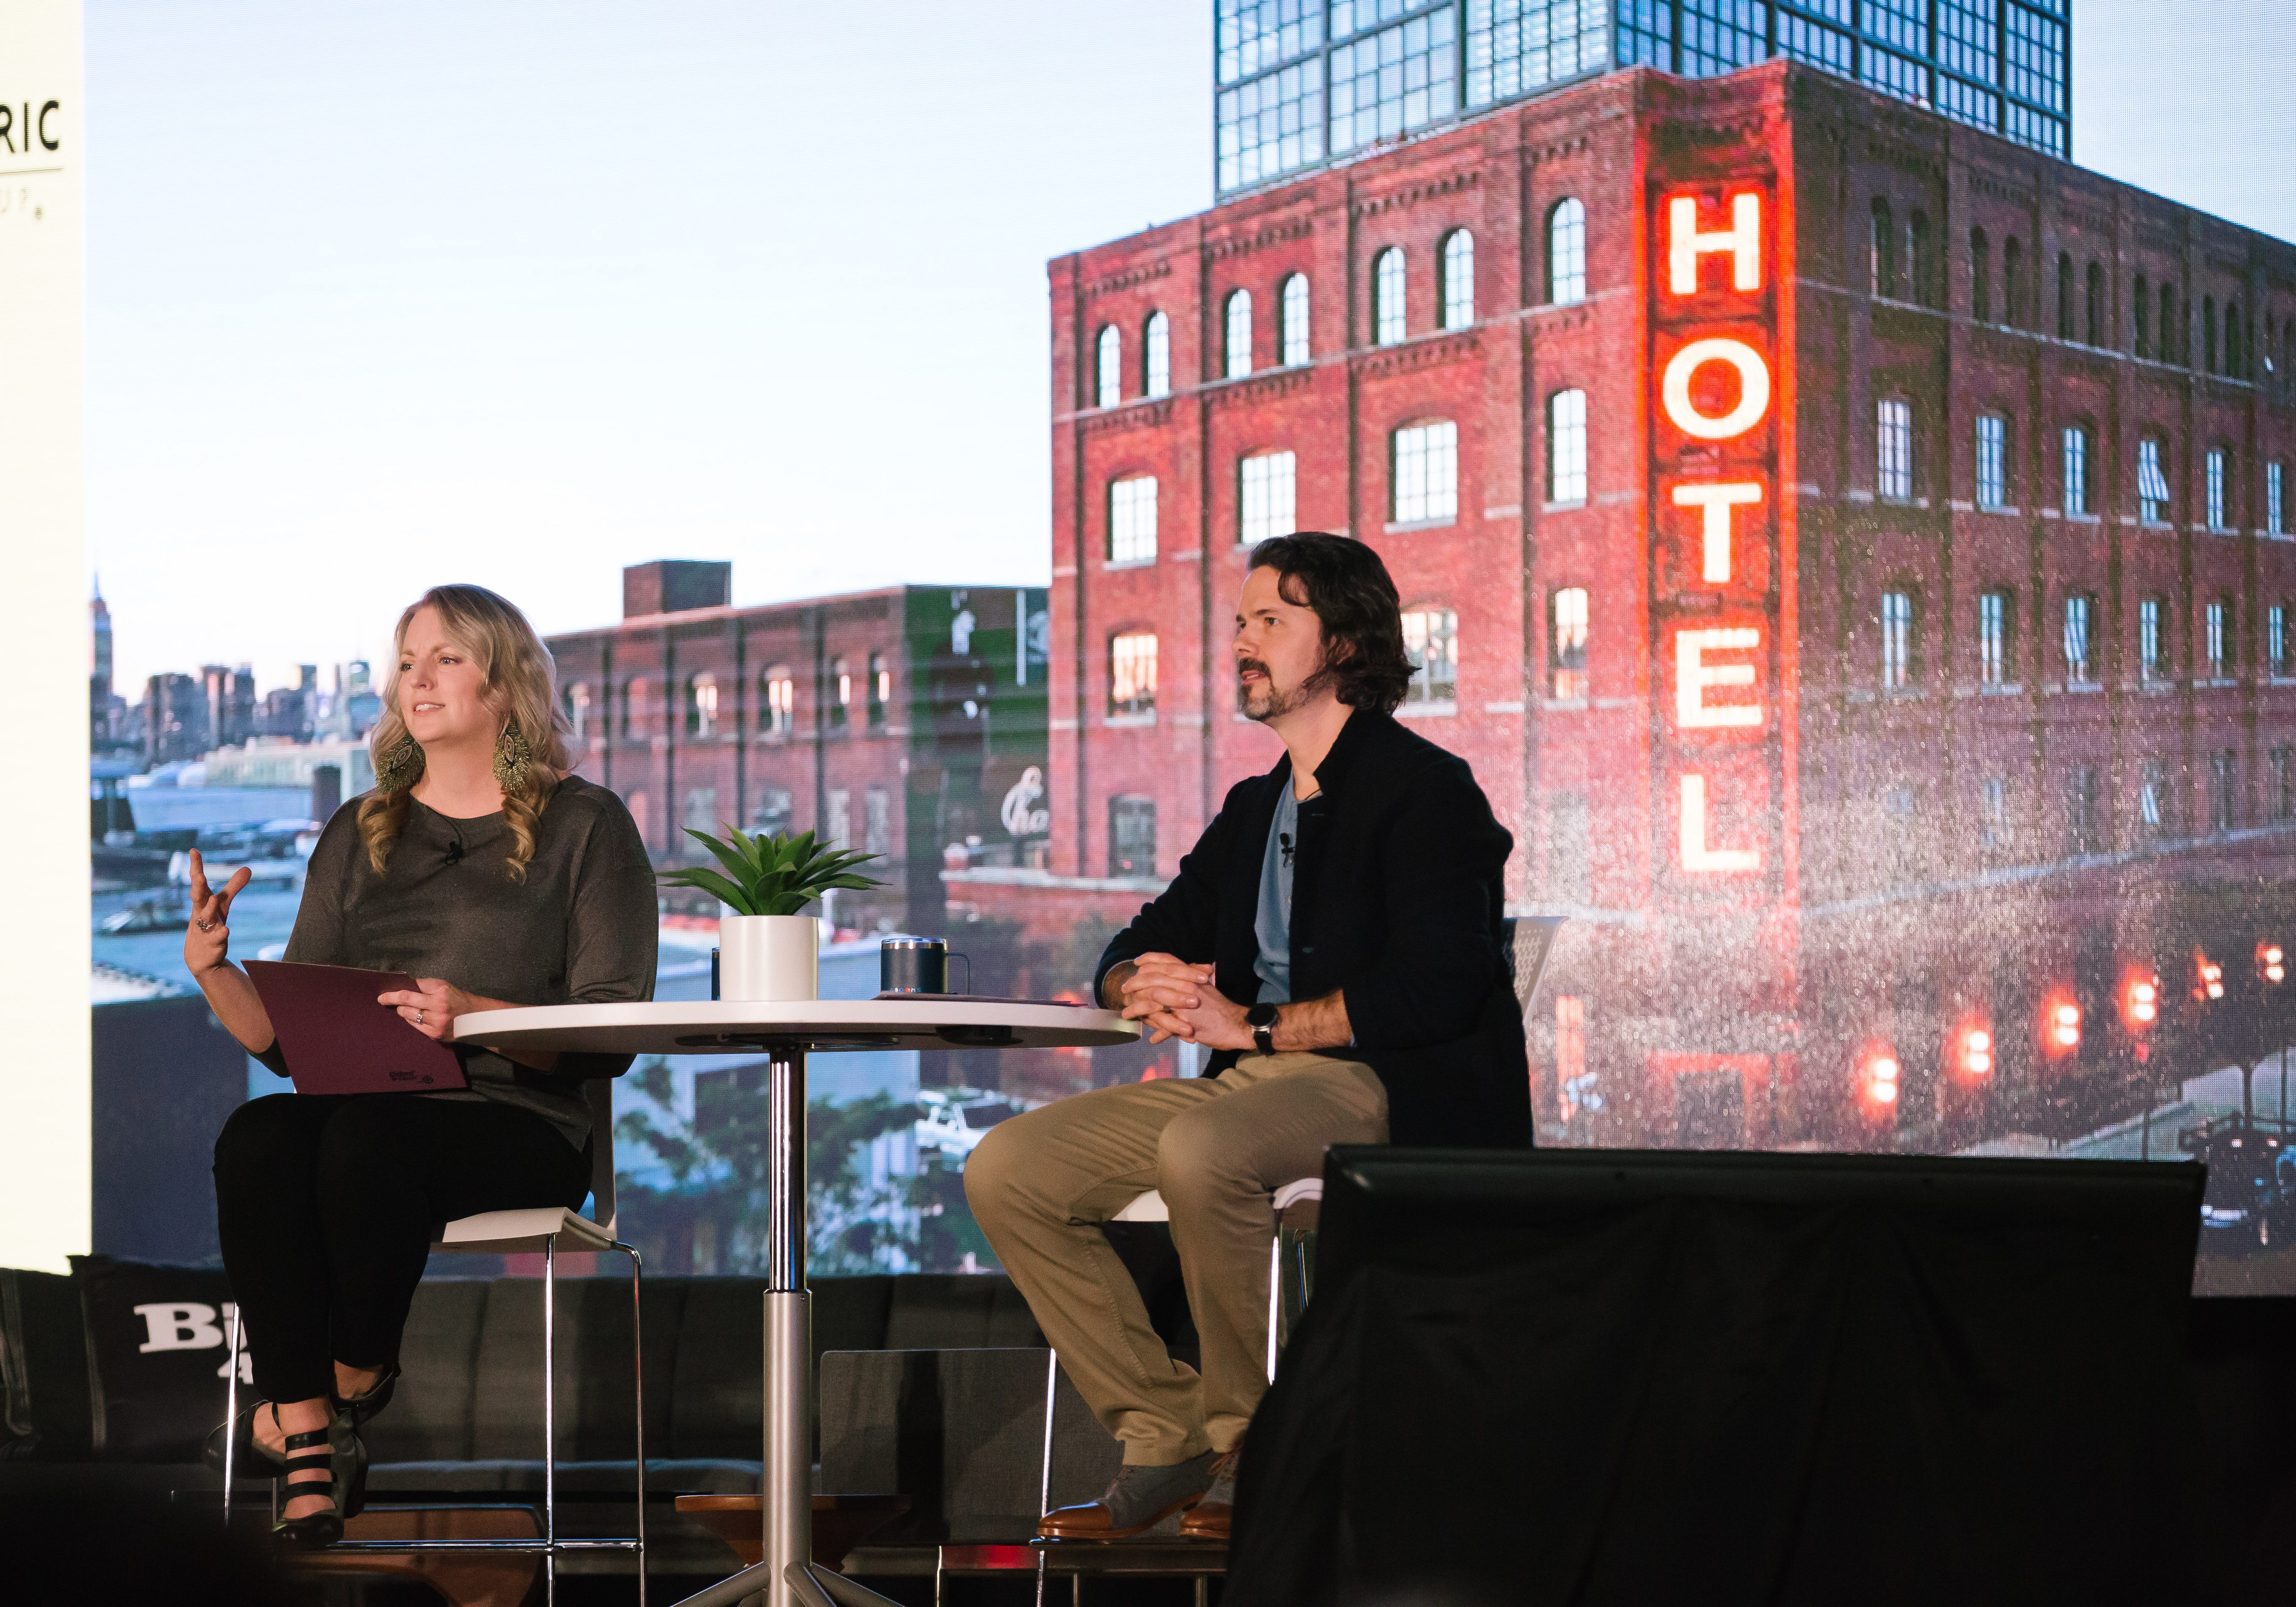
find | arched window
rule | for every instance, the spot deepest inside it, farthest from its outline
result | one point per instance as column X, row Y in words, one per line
column 1918, row 265
column 1430, row 638
column 1893, row 475
column 1566, row 642
column 1109, row 378
column 1981, row 277
column 840, row 693
column 2141, row 304
column 2234, row 352
column 1295, row 321
column 1566, row 251
column 1265, row 492
column 2152, row 647
column 2064, row 295
column 2013, row 283
column 1387, row 297
column 779, row 699
column 1132, row 674
column 881, row 688
column 702, row 705
column 1566, row 446
column 2209, row 333
column 2152, row 480
column 1458, row 279
column 633, row 706
column 2217, row 472
column 2172, row 342
column 1156, row 355
column 577, row 710
column 1882, row 252
column 1239, row 335
column 2094, row 321
column 1424, row 472
column 1997, row 636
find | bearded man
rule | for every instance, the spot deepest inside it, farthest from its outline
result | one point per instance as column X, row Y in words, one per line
column 1334, row 938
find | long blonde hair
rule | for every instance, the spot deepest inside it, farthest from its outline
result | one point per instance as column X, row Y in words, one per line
column 519, row 674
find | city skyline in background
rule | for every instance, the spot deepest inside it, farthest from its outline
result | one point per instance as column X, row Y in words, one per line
column 491, row 296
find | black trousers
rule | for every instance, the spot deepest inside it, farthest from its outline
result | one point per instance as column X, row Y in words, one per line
column 327, row 1204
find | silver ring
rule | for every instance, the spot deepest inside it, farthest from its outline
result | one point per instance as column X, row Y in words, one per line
column 418, row 1017
column 207, row 926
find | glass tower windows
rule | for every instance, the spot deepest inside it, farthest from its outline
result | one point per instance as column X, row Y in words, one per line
column 1516, row 46
column 1271, row 125
column 1255, row 35
column 1399, row 79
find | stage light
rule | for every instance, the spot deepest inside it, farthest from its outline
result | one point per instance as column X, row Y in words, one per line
column 2140, row 1001
column 1881, row 1077
column 2209, row 984
column 2271, row 964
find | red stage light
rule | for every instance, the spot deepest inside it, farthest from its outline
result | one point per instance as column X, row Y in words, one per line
column 2271, row 964
column 1977, row 1051
column 1881, row 1079
column 2209, row 982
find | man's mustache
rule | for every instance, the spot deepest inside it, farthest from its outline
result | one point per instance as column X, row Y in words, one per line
column 1243, row 664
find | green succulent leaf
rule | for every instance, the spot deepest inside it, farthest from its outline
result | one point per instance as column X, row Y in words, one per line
column 773, row 875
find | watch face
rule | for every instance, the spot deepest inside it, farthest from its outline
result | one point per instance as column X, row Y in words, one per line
column 1260, row 1015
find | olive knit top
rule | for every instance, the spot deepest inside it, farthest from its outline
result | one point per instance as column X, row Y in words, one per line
column 580, row 930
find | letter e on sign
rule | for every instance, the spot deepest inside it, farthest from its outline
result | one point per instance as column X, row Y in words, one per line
column 1693, row 675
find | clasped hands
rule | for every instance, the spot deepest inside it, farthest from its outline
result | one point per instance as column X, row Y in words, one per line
column 1175, row 999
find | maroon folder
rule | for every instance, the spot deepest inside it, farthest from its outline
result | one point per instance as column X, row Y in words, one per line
column 338, row 1040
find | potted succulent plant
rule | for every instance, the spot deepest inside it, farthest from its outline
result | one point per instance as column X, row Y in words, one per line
column 768, row 951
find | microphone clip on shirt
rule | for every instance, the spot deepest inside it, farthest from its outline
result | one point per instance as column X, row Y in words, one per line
column 454, row 852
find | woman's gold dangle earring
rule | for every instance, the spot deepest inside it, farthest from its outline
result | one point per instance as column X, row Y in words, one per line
column 398, row 767
column 513, row 759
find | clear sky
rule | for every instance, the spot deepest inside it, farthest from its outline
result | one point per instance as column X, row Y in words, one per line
column 518, row 292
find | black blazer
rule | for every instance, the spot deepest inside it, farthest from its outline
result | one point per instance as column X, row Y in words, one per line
column 1396, row 901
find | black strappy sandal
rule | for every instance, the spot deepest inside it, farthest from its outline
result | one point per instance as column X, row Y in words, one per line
column 305, row 1453
column 363, row 1407
column 346, row 1462
column 243, row 1428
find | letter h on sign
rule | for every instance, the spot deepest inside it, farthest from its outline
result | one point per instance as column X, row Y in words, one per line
column 1713, row 456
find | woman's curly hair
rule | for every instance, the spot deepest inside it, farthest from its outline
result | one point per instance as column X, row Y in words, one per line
column 518, row 673
column 1354, row 600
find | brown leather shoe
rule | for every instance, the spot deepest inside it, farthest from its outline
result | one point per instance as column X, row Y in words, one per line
column 1211, row 1518
column 1137, row 1499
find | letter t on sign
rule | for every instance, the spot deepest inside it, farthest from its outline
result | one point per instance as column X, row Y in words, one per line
column 1685, row 243
column 1717, row 500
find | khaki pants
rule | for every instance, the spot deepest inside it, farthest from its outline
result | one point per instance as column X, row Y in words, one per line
column 1040, row 1185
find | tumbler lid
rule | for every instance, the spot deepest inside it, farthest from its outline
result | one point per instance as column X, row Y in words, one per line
column 915, row 943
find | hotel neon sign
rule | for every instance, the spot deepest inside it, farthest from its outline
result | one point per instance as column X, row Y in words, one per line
column 1714, row 461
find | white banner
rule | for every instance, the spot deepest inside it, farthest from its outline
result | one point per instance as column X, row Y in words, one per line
column 44, row 939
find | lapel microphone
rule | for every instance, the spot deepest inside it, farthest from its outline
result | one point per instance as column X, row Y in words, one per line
column 1283, row 841
column 454, row 852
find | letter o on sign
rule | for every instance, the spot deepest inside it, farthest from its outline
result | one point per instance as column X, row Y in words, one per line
column 1753, row 389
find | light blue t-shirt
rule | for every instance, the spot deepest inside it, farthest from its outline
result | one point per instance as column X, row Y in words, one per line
column 1272, row 924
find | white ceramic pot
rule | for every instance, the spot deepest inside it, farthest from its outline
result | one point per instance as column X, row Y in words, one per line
column 768, row 959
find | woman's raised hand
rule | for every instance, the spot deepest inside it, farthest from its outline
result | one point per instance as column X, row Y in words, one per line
column 206, row 940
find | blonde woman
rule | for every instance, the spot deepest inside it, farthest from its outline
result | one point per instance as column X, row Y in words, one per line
column 480, row 867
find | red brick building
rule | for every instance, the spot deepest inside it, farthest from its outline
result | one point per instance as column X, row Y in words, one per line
column 1851, row 548
column 908, row 722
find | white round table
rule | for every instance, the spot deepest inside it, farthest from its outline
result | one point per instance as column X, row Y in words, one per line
column 787, row 1032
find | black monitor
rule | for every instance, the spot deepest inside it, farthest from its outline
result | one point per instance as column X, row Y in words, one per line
column 1585, row 1375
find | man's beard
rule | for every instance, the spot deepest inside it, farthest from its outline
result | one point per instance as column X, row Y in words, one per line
column 1264, row 703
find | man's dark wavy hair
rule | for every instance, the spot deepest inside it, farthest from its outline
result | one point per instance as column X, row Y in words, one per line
column 1355, row 600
